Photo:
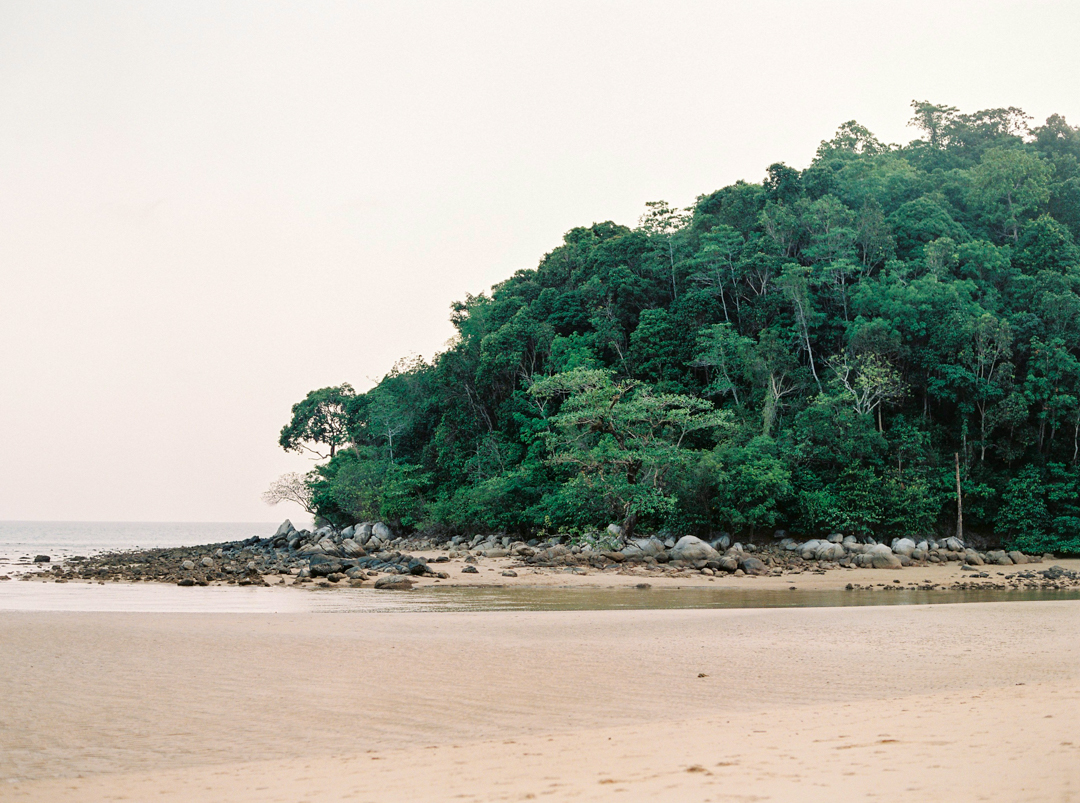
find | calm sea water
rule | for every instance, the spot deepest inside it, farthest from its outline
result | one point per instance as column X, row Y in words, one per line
column 61, row 539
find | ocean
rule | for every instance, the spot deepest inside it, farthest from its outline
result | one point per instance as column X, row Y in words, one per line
column 22, row 540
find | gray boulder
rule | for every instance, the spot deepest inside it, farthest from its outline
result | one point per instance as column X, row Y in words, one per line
column 643, row 548
column 829, row 551
column 954, row 544
column 382, row 531
column 809, row 549
column 348, row 532
column 1017, row 557
column 752, row 565
column 188, row 565
column 973, row 558
column 691, row 548
column 882, row 557
column 284, row 528
column 999, row 558
column 362, row 532
column 904, row 546
column 721, row 542
column 835, row 538
column 394, row 582
column 351, row 549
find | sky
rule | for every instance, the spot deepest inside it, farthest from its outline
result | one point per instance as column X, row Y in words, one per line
column 208, row 209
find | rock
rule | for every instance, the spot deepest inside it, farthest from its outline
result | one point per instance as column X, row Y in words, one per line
column 1017, row 557
column 207, row 562
column 923, row 545
column 835, row 538
column 903, row 546
column 721, row 542
column 615, row 531
column 509, row 573
column 327, row 545
column 753, row 566
column 999, row 558
column 918, row 554
column 496, row 552
column 323, row 565
column 187, row 582
column 643, row 548
column 973, row 558
column 850, row 540
column 351, row 549
column 188, row 565
column 42, row 559
column 728, row 564
column 382, row 531
column 691, row 548
column 394, row 582
column 470, row 570
column 362, row 532
column 829, row 551
column 955, row 544
column 882, row 557
column 284, row 528
column 808, row 549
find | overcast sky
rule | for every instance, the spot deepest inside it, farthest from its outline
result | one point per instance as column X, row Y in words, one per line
column 209, row 208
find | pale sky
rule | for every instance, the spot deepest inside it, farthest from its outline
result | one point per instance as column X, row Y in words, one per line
column 209, row 208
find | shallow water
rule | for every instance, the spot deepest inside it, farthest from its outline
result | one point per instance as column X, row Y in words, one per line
column 160, row 598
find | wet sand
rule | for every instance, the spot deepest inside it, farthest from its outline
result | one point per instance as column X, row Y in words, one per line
column 933, row 702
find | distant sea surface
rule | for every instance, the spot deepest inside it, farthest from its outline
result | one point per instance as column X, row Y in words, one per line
column 62, row 539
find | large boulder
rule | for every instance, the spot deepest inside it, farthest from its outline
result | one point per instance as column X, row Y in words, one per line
column 752, row 565
column 284, row 528
column 1017, row 557
column 691, row 548
column 973, row 558
column 809, row 549
column 721, row 542
column 643, row 548
column 904, row 546
column 327, row 545
column 351, row 549
column 394, row 582
column 954, row 544
column 882, row 557
column 998, row 558
column 362, row 532
column 323, row 565
column 382, row 531
column 829, row 551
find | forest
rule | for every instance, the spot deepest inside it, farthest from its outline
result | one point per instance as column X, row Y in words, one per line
column 816, row 352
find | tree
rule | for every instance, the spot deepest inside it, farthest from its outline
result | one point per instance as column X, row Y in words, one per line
column 1011, row 185
column 321, row 419
column 621, row 438
column 293, row 488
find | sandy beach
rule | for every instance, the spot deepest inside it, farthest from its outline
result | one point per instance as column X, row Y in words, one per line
column 930, row 702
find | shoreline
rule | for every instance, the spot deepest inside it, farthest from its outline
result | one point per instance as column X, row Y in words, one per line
column 490, row 572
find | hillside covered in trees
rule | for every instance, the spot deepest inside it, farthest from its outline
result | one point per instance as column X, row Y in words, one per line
column 811, row 352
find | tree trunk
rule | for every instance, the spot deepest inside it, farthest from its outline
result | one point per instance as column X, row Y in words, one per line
column 628, row 525
column 959, row 502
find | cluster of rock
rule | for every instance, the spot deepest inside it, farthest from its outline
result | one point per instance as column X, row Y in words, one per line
column 370, row 550
column 848, row 550
column 355, row 554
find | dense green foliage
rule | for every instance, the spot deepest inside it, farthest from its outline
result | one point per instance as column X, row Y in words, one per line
column 809, row 352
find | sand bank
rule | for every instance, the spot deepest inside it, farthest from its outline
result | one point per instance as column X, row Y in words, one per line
column 954, row 702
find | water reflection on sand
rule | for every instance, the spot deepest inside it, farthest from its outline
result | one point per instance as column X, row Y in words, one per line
column 160, row 598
